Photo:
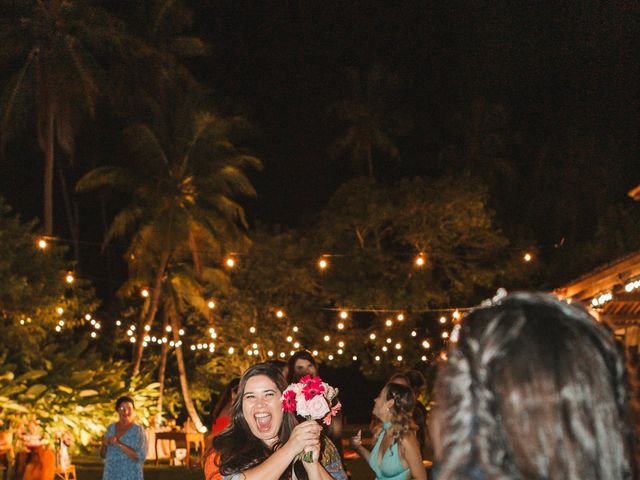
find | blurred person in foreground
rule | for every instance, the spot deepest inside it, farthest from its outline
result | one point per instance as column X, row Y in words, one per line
column 534, row 388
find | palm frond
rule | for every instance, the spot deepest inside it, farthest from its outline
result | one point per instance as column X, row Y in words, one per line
column 105, row 177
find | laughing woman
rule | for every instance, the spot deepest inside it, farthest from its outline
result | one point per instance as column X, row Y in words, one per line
column 262, row 442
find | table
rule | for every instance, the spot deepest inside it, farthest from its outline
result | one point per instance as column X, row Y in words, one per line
column 187, row 437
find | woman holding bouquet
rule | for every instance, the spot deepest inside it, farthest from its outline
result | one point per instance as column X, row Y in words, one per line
column 396, row 454
column 264, row 443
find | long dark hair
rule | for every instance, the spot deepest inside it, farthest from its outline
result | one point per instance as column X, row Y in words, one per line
column 238, row 449
column 225, row 398
column 534, row 388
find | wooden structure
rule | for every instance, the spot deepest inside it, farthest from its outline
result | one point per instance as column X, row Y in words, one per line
column 188, row 438
column 612, row 291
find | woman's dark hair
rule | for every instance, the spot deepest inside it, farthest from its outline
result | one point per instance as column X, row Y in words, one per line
column 534, row 388
column 225, row 398
column 238, row 449
column 416, row 380
column 124, row 399
column 300, row 354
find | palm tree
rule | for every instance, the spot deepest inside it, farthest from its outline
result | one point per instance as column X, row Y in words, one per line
column 54, row 46
column 371, row 119
column 184, row 178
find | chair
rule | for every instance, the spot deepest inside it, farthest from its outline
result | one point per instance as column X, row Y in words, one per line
column 68, row 473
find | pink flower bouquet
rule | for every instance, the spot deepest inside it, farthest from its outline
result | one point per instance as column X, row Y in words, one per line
column 312, row 399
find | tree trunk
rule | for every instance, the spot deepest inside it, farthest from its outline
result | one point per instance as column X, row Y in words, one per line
column 153, row 308
column 48, row 172
column 370, row 163
column 162, row 369
column 72, row 217
column 197, row 262
column 182, row 373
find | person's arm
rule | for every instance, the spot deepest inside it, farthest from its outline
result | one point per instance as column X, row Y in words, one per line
column 106, row 440
column 356, row 443
column 304, row 435
column 137, row 451
column 410, row 451
column 315, row 470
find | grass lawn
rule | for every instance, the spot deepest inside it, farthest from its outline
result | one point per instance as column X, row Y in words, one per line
column 90, row 468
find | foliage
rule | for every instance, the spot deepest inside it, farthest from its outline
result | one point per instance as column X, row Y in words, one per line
column 32, row 289
column 74, row 391
column 370, row 118
column 380, row 230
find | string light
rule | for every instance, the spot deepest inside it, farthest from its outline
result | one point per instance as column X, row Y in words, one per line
column 602, row 299
column 426, row 344
column 168, row 329
column 456, row 315
column 69, row 278
column 270, row 353
column 279, row 314
column 144, row 292
column 315, row 353
column 330, row 357
column 296, row 345
column 323, row 263
column 60, row 310
column 399, row 357
column 231, row 350
column 388, row 322
column 384, row 348
column 398, row 346
column 341, row 344
column 252, row 330
column 420, row 260
column 181, row 332
column 42, row 244
column 340, row 326
column 631, row 286
column 400, row 317
column 327, row 338
column 372, row 336
column 230, row 262
column 354, row 358
column 295, row 329
column 413, row 333
column 443, row 320
column 527, row 257
column 344, row 314
column 211, row 304
column 377, row 358
column 445, row 334
column 423, row 358
column 118, row 323
column 340, row 351
column 289, row 339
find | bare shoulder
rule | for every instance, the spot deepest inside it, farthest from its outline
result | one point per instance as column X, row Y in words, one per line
column 409, row 443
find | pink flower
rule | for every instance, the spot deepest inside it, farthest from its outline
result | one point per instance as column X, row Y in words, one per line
column 312, row 387
column 289, row 401
column 317, row 407
column 334, row 411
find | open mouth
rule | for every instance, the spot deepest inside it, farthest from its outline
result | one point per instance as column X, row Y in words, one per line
column 263, row 421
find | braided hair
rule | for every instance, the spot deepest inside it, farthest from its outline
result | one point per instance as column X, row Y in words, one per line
column 534, row 389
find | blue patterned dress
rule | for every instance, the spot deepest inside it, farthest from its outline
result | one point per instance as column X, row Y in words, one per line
column 117, row 465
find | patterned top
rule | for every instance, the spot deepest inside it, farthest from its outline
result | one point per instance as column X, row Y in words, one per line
column 117, row 465
column 330, row 460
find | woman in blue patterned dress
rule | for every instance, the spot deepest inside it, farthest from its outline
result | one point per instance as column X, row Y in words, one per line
column 265, row 443
column 124, row 445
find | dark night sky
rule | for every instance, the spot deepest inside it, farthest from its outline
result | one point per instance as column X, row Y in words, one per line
column 558, row 68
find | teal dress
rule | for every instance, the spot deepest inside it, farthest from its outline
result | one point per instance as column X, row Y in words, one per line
column 390, row 468
column 117, row 465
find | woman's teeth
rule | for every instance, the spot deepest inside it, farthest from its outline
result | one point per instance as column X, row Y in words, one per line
column 263, row 420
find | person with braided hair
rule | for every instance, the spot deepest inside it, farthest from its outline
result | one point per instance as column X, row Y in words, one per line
column 396, row 454
column 533, row 388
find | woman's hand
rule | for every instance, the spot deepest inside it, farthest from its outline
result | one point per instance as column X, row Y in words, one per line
column 356, row 440
column 305, row 436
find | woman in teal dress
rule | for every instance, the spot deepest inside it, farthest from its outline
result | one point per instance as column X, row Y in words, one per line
column 396, row 453
column 124, row 445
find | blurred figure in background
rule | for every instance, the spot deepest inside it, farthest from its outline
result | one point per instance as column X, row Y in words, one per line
column 534, row 388
column 221, row 413
column 302, row 363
